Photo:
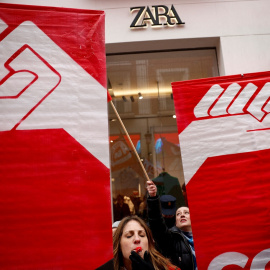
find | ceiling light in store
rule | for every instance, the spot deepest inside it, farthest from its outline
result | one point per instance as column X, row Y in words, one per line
column 174, row 116
column 146, row 91
column 140, row 95
column 132, row 98
column 124, row 98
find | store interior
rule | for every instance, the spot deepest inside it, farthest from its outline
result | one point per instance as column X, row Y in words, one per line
column 140, row 86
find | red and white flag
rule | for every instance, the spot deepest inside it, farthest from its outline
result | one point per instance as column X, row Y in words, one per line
column 224, row 134
column 54, row 154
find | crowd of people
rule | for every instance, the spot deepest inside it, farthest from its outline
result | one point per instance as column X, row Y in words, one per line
column 164, row 242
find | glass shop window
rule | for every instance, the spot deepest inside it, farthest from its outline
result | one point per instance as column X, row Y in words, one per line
column 140, row 86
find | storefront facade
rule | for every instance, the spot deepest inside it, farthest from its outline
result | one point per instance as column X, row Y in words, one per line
column 149, row 45
column 238, row 29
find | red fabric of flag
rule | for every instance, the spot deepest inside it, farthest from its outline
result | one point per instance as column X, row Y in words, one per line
column 224, row 126
column 54, row 154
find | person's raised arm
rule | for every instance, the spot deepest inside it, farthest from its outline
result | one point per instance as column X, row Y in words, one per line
column 151, row 188
column 160, row 231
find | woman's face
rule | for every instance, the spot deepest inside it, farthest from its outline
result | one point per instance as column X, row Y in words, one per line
column 133, row 236
column 183, row 219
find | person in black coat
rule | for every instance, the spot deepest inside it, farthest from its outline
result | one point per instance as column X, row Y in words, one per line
column 120, row 209
column 175, row 243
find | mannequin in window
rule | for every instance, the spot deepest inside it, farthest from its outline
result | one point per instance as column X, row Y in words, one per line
column 169, row 185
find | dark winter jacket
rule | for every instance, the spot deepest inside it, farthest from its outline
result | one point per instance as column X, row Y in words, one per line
column 170, row 242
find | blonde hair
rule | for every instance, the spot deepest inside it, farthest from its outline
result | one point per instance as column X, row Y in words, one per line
column 159, row 261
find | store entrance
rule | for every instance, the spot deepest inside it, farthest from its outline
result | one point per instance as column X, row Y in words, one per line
column 140, row 86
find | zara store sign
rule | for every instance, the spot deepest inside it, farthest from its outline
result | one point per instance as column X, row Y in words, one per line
column 156, row 16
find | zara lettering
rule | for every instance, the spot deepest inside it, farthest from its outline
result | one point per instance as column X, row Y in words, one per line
column 146, row 15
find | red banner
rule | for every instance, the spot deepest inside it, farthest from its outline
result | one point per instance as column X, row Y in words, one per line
column 54, row 152
column 224, row 132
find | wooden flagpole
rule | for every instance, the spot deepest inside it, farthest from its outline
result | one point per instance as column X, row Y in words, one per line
column 133, row 147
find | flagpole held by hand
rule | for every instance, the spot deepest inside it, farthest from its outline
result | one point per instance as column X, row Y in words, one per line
column 132, row 145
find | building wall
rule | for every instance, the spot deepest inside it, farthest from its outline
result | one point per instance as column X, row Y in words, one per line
column 239, row 29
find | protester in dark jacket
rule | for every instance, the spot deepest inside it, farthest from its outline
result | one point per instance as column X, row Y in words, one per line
column 168, row 209
column 175, row 243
